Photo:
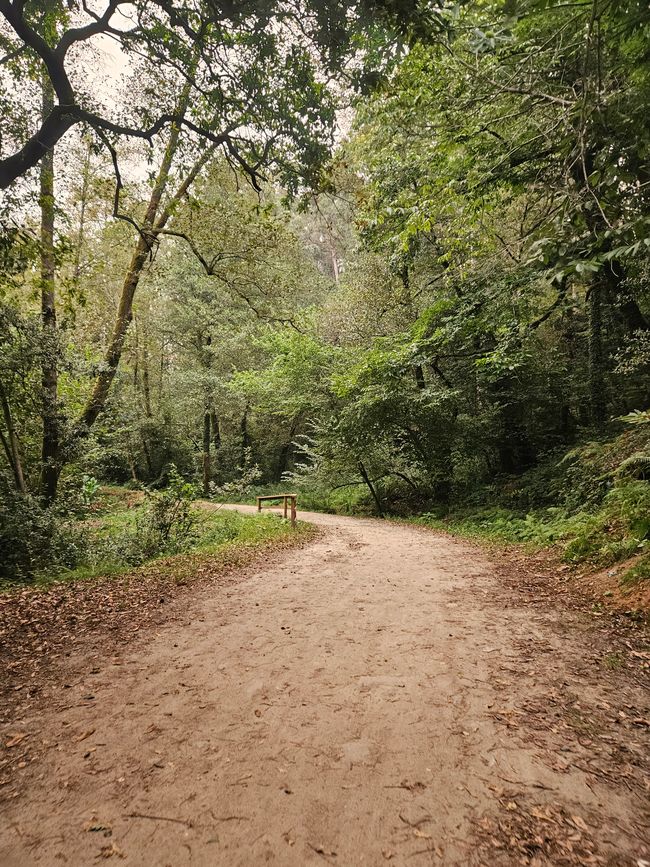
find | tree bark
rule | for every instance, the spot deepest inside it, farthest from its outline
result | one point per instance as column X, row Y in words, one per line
column 371, row 488
column 216, row 433
column 50, row 467
column 245, row 440
column 596, row 357
column 207, row 472
column 10, row 443
column 283, row 457
column 146, row 385
column 81, row 233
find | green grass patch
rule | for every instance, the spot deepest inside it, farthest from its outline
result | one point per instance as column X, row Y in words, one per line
column 220, row 536
column 616, row 530
column 639, row 572
column 348, row 500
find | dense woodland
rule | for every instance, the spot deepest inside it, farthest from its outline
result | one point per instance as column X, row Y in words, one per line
column 391, row 255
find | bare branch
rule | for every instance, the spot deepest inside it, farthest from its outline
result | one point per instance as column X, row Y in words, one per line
column 79, row 34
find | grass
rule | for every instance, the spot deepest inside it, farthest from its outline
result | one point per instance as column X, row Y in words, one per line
column 639, row 572
column 226, row 537
column 615, row 531
column 613, row 661
column 348, row 500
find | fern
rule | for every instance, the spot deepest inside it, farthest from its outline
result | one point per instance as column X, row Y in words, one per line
column 638, row 416
column 637, row 466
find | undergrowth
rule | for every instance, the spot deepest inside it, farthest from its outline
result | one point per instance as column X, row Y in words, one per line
column 592, row 502
column 125, row 532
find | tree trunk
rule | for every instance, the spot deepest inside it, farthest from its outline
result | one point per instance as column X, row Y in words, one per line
column 216, row 433
column 207, row 470
column 85, row 183
column 245, row 441
column 335, row 262
column 283, row 457
column 596, row 357
column 50, row 467
column 10, row 443
column 146, row 385
column 371, row 488
column 131, row 460
column 151, row 473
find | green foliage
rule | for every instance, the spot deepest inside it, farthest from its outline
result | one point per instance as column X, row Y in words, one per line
column 240, row 488
column 78, row 491
column 616, row 530
column 455, row 321
column 256, row 69
column 639, row 572
column 166, row 523
column 124, row 533
column 33, row 538
column 637, row 466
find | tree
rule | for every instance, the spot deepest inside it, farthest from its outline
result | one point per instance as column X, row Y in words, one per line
column 258, row 94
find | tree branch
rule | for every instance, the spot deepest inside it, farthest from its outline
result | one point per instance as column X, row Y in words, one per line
column 560, row 298
column 80, row 34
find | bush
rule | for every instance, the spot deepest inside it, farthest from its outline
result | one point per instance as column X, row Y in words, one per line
column 639, row 572
column 33, row 538
column 76, row 493
column 106, row 462
column 167, row 523
column 618, row 530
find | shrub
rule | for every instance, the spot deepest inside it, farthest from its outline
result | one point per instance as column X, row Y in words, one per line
column 167, row 522
column 33, row 538
column 639, row 572
column 76, row 493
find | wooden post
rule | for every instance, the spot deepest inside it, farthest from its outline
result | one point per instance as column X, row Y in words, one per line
column 286, row 503
column 293, row 511
column 259, row 504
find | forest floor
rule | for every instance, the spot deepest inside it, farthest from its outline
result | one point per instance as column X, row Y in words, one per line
column 384, row 694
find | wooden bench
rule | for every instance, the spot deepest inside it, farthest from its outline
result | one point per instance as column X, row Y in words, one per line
column 286, row 498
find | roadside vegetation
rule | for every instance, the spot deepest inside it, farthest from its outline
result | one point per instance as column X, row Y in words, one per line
column 117, row 530
column 592, row 503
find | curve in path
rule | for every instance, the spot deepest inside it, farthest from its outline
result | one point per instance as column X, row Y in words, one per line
column 337, row 706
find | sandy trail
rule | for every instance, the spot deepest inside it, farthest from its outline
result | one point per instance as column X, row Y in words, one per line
column 351, row 704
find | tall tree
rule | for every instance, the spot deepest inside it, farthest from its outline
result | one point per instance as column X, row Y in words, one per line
column 50, row 463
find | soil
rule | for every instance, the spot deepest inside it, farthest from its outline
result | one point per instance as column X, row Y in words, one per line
column 611, row 589
column 383, row 694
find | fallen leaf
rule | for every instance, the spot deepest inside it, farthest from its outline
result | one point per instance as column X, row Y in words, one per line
column 109, row 851
column 14, row 740
column 579, row 823
column 84, row 735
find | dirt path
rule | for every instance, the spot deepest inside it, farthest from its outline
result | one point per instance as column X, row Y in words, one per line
column 377, row 697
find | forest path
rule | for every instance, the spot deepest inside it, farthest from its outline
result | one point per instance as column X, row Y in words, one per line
column 376, row 697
